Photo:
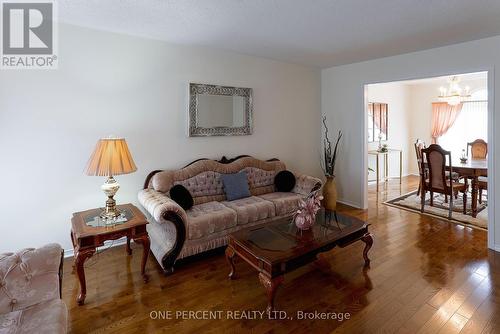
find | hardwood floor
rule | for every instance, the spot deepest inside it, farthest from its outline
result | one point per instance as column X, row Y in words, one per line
column 426, row 276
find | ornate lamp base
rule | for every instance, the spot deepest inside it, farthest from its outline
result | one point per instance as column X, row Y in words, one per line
column 110, row 187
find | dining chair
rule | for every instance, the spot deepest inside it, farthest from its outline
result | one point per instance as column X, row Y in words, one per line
column 436, row 159
column 424, row 173
column 419, row 145
column 479, row 150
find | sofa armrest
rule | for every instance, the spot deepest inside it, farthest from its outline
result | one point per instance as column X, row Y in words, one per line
column 29, row 277
column 165, row 210
column 305, row 184
column 159, row 205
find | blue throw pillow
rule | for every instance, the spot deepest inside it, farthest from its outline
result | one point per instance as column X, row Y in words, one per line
column 235, row 185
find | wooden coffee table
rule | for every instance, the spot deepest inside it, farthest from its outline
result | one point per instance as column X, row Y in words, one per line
column 279, row 247
column 87, row 238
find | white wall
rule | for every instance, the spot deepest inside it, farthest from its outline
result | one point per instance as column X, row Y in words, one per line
column 421, row 98
column 136, row 88
column 396, row 96
column 343, row 102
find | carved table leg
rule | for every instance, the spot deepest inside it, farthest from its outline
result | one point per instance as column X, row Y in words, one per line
column 271, row 285
column 368, row 240
column 129, row 250
column 475, row 189
column 144, row 240
column 74, row 254
column 230, row 256
column 80, row 257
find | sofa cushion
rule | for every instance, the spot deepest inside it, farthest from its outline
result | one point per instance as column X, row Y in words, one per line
column 258, row 178
column 207, row 218
column 44, row 318
column 251, row 209
column 285, row 203
column 236, row 185
column 206, row 183
column 284, row 181
column 181, row 196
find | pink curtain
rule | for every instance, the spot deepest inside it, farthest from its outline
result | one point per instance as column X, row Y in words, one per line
column 383, row 119
column 443, row 117
column 380, row 117
column 376, row 119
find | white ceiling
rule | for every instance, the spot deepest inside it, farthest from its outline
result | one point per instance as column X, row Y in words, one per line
column 319, row 33
column 443, row 80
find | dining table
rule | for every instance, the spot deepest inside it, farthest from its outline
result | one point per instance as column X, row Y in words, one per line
column 471, row 169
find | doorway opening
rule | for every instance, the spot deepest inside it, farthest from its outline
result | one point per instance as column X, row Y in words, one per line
column 402, row 117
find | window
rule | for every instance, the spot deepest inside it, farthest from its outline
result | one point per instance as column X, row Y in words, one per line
column 377, row 121
column 471, row 124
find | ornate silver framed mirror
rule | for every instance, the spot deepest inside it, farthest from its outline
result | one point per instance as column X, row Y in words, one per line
column 219, row 110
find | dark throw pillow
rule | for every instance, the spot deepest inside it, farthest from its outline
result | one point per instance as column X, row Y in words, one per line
column 181, row 196
column 284, row 181
column 235, row 185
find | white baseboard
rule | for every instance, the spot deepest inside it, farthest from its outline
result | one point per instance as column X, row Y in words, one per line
column 107, row 244
column 496, row 248
column 355, row 205
column 392, row 177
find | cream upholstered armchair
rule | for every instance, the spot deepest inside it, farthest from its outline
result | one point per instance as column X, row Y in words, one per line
column 30, row 291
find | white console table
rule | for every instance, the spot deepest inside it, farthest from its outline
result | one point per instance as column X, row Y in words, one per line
column 385, row 155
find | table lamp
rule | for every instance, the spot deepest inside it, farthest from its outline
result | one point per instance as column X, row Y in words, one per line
column 110, row 157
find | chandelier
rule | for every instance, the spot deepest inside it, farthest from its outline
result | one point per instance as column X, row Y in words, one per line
column 454, row 95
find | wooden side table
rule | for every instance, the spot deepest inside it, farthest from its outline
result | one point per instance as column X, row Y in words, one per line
column 86, row 238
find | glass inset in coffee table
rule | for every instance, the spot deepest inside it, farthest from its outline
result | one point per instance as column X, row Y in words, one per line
column 279, row 247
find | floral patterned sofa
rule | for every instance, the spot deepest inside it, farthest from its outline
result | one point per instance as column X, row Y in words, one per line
column 30, row 291
column 176, row 233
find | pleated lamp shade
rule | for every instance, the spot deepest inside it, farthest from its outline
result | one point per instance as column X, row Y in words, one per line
column 111, row 157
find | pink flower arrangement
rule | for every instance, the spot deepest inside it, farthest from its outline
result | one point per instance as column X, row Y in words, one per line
column 305, row 216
